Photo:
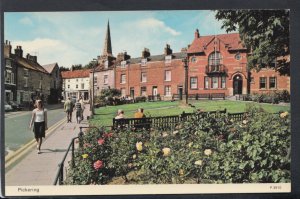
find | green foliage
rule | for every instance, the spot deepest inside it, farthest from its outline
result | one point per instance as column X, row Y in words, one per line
column 62, row 68
column 266, row 32
column 273, row 97
column 140, row 99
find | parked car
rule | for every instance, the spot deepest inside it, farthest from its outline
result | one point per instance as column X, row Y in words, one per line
column 8, row 107
column 16, row 106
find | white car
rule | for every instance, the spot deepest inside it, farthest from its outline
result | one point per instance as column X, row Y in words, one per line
column 8, row 107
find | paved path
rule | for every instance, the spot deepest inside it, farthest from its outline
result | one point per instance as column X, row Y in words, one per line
column 41, row 169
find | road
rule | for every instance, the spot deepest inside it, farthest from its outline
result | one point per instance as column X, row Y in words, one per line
column 17, row 132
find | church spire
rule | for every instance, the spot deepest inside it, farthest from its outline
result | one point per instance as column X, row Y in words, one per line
column 107, row 50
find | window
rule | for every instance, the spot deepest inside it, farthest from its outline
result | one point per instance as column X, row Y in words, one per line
column 68, row 85
column 25, row 81
column 82, row 85
column 251, row 80
column 8, row 76
column 143, row 77
column 206, row 82
column 168, row 91
column 68, row 80
column 123, row 79
column 105, row 79
column 238, row 56
column 8, row 63
column 193, row 59
column 106, row 64
column 40, row 86
column 168, row 59
column 144, row 62
column 123, row 92
column 262, row 82
column 26, row 73
column 76, row 85
column 214, row 82
column 272, row 82
column 214, row 59
column 194, row 82
column 123, row 64
column 76, row 80
column 167, row 75
column 143, row 91
column 95, row 80
column 223, row 82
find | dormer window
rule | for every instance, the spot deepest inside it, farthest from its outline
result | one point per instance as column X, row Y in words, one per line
column 168, row 59
column 123, row 64
column 106, row 64
column 8, row 63
column 144, row 62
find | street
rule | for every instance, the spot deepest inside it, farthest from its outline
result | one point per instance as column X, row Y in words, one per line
column 17, row 132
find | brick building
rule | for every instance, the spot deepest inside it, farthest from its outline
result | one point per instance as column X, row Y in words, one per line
column 104, row 74
column 151, row 75
column 30, row 78
column 216, row 64
column 56, row 81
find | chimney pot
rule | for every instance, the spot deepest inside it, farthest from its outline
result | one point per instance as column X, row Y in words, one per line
column 197, row 35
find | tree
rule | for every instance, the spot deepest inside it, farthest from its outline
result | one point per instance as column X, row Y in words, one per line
column 62, row 68
column 90, row 65
column 76, row 67
column 265, row 32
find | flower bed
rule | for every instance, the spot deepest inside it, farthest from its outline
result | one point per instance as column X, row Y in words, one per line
column 205, row 150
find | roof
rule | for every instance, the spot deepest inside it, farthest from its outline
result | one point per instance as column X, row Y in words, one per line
column 75, row 74
column 49, row 67
column 232, row 40
column 26, row 63
column 161, row 57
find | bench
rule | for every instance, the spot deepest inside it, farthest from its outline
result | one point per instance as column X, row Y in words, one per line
column 203, row 96
column 217, row 95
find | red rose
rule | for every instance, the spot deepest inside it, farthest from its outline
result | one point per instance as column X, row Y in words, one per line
column 107, row 135
column 101, row 141
column 98, row 164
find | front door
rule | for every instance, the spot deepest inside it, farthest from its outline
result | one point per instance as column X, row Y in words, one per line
column 237, row 85
column 154, row 92
column 180, row 92
column 132, row 92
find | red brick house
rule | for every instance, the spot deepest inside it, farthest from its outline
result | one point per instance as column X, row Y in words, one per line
column 216, row 64
column 151, row 75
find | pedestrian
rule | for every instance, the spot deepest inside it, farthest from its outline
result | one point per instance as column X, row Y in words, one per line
column 78, row 111
column 68, row 106
column 82, row 107
column 120, row 114
column 39, row 121
column 139, row 113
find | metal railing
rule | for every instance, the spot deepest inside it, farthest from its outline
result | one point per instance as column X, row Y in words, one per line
column 60, row 173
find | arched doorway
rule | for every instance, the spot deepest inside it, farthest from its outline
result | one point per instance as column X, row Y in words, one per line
column 237, row 85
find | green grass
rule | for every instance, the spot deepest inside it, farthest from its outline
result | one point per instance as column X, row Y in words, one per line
column 104, row 115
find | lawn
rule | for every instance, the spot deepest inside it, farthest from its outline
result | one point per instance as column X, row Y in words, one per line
column 104, row 115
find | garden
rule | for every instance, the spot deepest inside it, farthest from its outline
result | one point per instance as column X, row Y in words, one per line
column 203, row 149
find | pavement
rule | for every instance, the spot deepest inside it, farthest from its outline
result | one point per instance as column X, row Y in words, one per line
column 41, row 169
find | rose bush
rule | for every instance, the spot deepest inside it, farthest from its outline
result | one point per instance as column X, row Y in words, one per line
column 205, row 149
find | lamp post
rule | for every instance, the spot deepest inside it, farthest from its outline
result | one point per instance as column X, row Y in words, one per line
column 185, row 62
column 92, row 109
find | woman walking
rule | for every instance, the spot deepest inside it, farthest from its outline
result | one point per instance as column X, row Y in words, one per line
column 39, row 119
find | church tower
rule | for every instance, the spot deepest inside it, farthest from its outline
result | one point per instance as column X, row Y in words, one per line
column 107, row 49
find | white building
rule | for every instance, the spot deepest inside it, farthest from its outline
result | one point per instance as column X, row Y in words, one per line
column 76, row 83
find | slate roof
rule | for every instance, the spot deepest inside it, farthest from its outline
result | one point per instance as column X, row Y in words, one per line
column 232, row 40
column 75, row 74
column 49, row 67
column 28, row 64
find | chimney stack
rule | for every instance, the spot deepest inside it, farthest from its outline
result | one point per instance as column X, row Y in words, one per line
column 183, row 50
column 168, row 50
column 123, row 56
column 31, row 58
column 197, row 35
column 146, row 53
column 7, row 49
column 19, row 51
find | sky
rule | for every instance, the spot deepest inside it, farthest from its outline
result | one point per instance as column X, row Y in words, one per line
column 70, row 38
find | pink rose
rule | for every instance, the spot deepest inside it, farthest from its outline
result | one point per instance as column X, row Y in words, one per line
column 98, row 164
column 101, row 141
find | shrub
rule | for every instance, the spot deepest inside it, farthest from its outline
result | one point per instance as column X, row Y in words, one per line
column 140, row 99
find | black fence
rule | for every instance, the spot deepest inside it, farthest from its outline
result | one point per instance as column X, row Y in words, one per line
column 170, row 122
column 199, row 96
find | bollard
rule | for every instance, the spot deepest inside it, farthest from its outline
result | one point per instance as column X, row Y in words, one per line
column 80, row 137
